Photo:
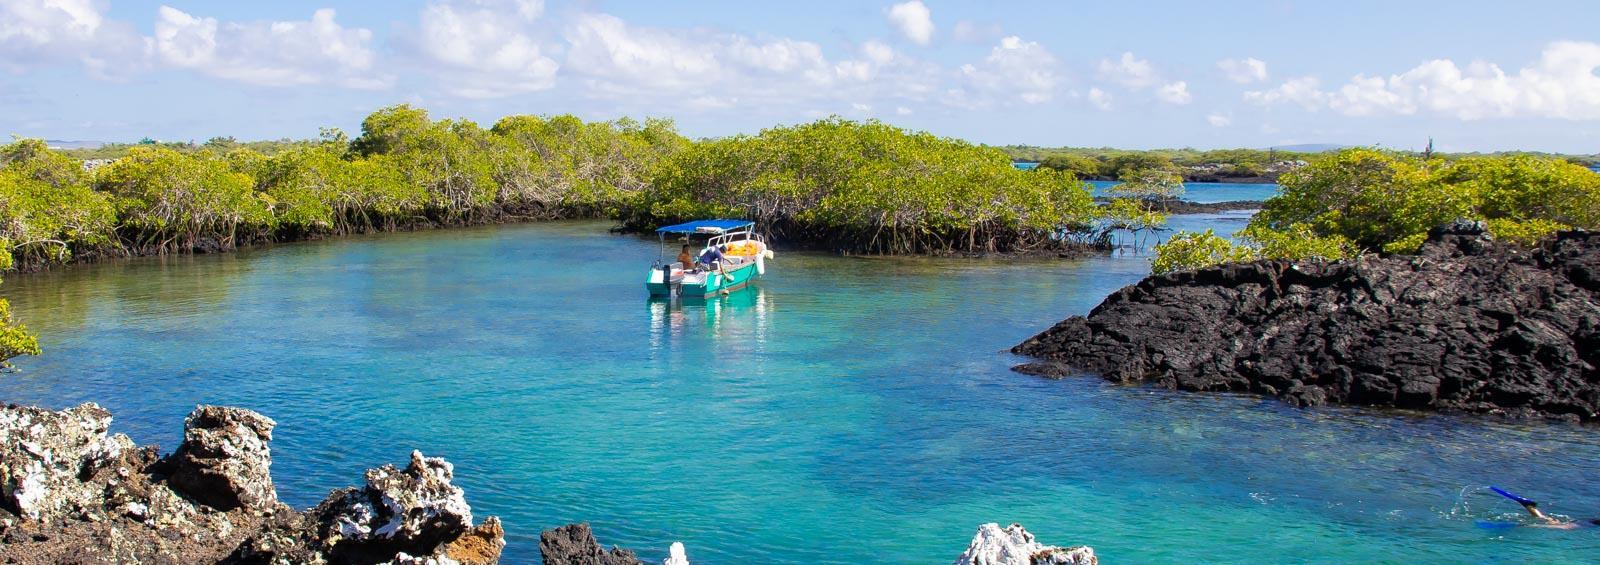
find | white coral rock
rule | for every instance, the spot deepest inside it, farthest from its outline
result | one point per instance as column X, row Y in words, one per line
column 1015, row 546
column 675, row 555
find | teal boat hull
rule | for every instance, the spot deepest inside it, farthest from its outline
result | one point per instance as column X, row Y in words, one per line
column 717, row 283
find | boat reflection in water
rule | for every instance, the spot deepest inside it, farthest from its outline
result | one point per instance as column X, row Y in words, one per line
column 737, row 322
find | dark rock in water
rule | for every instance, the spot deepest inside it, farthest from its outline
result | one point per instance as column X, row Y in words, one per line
column 574, row 544
column 1187, row 207
column 1466, row 324
column 1175, row 206
column 74, row 495
column 224, row 461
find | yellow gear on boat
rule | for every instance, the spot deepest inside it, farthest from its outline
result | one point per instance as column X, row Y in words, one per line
column 742, row 249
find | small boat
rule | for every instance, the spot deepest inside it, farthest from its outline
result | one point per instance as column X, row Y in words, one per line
column 744, row 255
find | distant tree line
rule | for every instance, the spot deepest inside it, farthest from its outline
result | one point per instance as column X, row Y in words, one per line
column 1113, row 164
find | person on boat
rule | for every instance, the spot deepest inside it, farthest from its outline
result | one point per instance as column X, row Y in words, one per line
column 686, row 258
column 1545, row 520
column 712, row 258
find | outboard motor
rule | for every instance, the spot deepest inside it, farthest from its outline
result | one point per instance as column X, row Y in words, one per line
column 666, row 279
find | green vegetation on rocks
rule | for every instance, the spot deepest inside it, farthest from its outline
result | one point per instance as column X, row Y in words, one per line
column 1366, row 200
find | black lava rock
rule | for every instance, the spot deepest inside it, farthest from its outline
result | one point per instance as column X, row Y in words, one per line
column 1465, row 324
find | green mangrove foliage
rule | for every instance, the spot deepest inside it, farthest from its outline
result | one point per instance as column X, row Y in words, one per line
column 404, row 170
column 47, row 208
column 169, row 200
column 869, row 188
column 1366, row 200
column 1190, row 250
column 1151, row 186
column 15, row 339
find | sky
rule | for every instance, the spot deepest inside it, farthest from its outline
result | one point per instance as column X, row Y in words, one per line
column 1473, row 76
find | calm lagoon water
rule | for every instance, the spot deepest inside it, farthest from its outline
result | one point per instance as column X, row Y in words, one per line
column 848, row 410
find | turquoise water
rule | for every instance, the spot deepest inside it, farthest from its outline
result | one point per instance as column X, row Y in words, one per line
column 849, row 410
column 1208, row 192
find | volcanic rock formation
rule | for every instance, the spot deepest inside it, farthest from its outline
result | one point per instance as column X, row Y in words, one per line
column 73, row 494
column 1467, row 323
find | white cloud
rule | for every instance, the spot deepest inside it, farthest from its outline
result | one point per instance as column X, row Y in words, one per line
column 902, row 111
column 1137, row 75
column 284, row 53
column 1219, row 120
column 615, row 54
column 1176, row 93
column 1304, row 91
column 1244, row 71
column 1129, row 71
column 484, row 48
column 34, row 34
column 616, row 60
column 1100, row 98
column 973, row 32
column 914, row 20
column 1024, row 69
column 1562, row 84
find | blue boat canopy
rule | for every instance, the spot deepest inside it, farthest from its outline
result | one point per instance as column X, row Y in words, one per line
column 705, row 226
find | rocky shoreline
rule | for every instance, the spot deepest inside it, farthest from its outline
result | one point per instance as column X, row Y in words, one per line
column 1467, row 324
column 72, row 493
column 574, row 544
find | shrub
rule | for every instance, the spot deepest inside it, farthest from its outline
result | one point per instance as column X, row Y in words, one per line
column 1188, row 250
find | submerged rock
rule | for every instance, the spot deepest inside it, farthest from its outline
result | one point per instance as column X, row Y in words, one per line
column 1466, row 324
column 1015, row 546
column 73, row 494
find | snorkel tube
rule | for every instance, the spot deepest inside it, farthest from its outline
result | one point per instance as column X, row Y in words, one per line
column 1515, row 498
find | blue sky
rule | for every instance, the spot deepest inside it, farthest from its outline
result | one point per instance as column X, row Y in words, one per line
column 1472, row 75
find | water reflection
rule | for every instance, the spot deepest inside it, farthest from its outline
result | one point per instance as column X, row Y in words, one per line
column 739, row 321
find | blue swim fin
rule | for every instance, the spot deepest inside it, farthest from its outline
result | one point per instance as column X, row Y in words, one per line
column 1518, row 499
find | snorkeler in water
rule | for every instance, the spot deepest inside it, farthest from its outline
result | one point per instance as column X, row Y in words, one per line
column 1546, row 521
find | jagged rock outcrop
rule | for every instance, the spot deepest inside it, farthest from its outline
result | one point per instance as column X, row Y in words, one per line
column 1015, row 546
column 72, row 494
column 43, row 455
column 1465, row 324
column 224, row 460
column 574, row 544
